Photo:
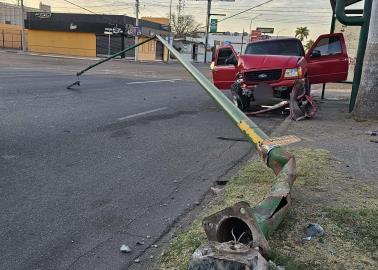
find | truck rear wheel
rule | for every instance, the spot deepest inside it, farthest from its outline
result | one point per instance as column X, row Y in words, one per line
column 240, row 100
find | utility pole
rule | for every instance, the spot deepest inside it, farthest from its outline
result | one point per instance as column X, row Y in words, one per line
column 22, row 27
column 207, row 28
column 242, row 41
column 170, row 37
column 136, row 28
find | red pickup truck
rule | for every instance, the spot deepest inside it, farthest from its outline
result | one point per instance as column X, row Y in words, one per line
column 270, row 67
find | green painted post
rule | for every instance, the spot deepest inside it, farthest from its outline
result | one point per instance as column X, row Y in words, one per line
column 364, row 22
column 249, row 128
column 270, row 212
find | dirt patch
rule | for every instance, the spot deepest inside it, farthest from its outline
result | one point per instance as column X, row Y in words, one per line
column 346, row 209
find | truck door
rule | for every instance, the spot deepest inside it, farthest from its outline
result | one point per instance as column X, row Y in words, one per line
column 224, row 67
column 327, row 59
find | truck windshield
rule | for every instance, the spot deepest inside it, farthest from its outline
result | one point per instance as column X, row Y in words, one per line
column 276, row 47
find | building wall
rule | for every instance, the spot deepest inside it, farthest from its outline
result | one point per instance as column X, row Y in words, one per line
column 147, row 51
column 161, row 20
column 11, row 14
column 64, row 43
column 10, row 36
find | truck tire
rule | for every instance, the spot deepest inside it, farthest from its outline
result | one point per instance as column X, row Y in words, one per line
column 240, row 100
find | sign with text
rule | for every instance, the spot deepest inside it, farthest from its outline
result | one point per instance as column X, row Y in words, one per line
column 265, row 30
column 213, row 25
column 137, row 30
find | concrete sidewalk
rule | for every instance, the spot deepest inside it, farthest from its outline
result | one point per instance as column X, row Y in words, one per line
column 334, row 129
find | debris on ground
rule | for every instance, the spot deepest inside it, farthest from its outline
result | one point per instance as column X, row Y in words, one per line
column 222, row 182
column 125, row 249
column 372, row 133
column 216, row 190
column 374, row 140
column 273, row 266
column 137, row 260
column 155, row 246
column 141, row 243
column 302, row 105
column 239, row 256
column 313, row 230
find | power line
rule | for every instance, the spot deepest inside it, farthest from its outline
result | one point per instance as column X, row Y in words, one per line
column 246, row 10
column 76, row 5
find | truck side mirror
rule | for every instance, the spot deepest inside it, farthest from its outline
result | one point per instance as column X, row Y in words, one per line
column 315, row 54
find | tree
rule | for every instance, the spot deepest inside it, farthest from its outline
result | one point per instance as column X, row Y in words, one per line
column 309, row 44
column 184, row 25
column 302, row 33
column 366, row 107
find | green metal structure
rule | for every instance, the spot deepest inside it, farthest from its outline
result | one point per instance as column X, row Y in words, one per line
column 263, row 219
column 364, row 22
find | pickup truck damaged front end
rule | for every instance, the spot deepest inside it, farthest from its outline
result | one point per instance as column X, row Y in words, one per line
column 276, row 75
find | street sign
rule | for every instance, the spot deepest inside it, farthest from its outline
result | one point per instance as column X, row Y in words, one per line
column 111, row 31
column 213, row 25
column 265, row 30
column 117, row 30
column 137, row 30
column 43, row 15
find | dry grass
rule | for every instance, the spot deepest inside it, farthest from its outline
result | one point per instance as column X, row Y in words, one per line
column 347, row 211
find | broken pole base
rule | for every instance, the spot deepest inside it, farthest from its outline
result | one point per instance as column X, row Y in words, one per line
column 227, row 256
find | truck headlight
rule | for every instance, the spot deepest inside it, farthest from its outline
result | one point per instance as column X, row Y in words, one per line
column 293, row 72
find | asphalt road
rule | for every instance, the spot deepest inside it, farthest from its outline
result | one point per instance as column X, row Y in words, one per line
column 115, row 162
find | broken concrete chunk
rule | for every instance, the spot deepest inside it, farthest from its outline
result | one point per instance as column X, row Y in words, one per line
column 216, row 190
column 372, row 133
column 313, row 230
column 125, row 249
column 227, row 256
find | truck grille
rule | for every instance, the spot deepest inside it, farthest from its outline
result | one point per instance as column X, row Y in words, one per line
column 262, row 75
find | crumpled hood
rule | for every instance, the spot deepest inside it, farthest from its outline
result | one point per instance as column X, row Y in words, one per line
column 247, row 62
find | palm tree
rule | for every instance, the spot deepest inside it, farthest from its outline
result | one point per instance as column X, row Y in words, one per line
column 302, row 33
column 367, row 98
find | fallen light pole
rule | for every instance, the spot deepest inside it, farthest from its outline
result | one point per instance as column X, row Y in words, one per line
column 78, row 74
column 238, row 234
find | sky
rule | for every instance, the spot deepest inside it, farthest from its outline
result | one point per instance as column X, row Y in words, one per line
column 282, row 15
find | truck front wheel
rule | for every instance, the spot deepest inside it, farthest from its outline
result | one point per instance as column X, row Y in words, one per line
column 240, row 100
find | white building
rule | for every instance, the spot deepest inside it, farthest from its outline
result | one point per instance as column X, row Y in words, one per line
column 11, row 14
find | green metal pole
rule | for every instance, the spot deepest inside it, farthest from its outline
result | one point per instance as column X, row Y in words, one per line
column 271, row 211
column 249, row 128
column 113, row 56
column 364, row 22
